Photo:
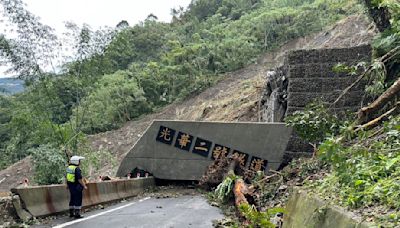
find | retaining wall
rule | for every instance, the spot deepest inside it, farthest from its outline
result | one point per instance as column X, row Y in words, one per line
column 50, row 199
column 311, row 76
column 307, row 211
column 307, row 76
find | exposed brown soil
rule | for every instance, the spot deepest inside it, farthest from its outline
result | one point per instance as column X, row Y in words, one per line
column 14, row 175
column 234, row 98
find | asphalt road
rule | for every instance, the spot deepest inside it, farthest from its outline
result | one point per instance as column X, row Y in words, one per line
column 183, row 211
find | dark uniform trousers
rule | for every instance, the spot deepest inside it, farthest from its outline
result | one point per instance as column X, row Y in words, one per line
column 75, row 190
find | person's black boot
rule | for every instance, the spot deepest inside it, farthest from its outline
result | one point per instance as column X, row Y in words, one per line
column 78, row 214
column 71, row 213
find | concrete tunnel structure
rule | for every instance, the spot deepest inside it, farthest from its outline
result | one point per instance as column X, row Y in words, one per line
column 182, row 150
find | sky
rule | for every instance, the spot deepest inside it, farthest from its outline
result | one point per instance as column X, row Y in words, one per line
column 97, row 13
column 101, row 12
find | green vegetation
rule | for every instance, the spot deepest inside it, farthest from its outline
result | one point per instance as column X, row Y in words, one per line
column 364, row 172
column 46, row 158
column 257, row 218
column 118, row 74
column 363, row 168
column 114, row 99
column 224, row 191
column 247, row 214
column 387, row 40
column 315, row 123
column 367, row 172
column 363, row 154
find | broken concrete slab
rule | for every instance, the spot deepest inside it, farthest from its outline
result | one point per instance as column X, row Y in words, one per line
column 23, row 214
column 182, row 150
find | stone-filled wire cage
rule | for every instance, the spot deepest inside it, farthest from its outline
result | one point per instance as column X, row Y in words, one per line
column 307, row 76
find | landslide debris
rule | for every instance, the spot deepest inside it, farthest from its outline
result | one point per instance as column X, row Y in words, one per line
column 254, row 198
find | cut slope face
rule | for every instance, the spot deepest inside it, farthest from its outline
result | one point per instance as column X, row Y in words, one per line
column 235, row 98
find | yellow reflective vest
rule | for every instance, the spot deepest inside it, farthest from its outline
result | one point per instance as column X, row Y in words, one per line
column 71, row 173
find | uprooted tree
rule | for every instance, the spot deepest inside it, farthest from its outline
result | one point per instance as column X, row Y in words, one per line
column 235, row 184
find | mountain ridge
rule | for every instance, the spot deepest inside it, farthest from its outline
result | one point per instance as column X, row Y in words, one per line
column 11, row 85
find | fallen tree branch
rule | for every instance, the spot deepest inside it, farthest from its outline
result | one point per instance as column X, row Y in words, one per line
column 267, row 178
column 383, row 59
column 345, row 91
column 378, row 120
column 376, row 133
column 383, row 99
column 274, row 171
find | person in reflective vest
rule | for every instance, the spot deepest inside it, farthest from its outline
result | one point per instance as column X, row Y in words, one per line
column 75, row 185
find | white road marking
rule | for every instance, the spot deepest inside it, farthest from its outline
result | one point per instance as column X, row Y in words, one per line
column 99, row 214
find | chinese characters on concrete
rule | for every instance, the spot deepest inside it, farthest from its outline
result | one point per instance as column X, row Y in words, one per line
column 165, row 135
column 220, row 151
column 184, row 141
column 203, row 148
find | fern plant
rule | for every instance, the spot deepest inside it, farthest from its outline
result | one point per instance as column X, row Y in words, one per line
column 258, row 218
column 224, row 189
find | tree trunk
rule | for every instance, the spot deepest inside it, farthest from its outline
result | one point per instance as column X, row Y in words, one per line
column 365, row 114
column 380, row 15
column 240, row 190
column 379, row 120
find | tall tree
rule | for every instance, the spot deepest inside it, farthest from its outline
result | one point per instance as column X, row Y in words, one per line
column 35, row 46
column 380, row 14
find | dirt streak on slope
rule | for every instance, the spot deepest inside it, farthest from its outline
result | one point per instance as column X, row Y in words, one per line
column 234, row 98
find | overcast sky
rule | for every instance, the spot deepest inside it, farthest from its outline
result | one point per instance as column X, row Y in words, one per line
column 101, row 12
column 98, row 13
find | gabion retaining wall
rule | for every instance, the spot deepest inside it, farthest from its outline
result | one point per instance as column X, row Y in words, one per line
column 308, row 75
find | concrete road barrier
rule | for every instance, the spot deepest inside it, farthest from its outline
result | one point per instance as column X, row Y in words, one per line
column 50, row 199
column 182, row 150
column 305, row 210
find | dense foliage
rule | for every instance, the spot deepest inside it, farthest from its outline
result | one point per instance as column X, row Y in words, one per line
column 366, row 173
column 115, row 99
column 259, row 219
column 46, row 158
column 118, row 74
column 316, row 122
column 387, row 40
column 364, row 162
column 224, row 190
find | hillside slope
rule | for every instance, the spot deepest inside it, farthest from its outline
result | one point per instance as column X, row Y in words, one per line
column 237, row 96
column 234, row 98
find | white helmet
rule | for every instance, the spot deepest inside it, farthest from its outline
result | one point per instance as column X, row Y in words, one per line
column 75, row 160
